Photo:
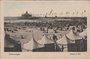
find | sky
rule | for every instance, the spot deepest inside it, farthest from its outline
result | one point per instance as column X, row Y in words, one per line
column 44, row 8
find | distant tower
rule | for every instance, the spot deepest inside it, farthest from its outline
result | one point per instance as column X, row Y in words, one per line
column 26, row 15
column 27, row 12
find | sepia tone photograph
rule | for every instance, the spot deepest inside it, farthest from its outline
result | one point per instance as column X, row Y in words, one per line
column 44, row 27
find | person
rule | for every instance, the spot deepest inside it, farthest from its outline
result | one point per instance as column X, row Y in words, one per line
column 55, row 37
column 22, row 37
column 62, row 48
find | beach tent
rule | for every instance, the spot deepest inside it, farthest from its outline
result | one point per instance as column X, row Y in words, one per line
column 45, row 40
column 72, row 36
column 11, row 45
column 62, row 43
column 84, row 33
column 30, row 45
column 48, row 43
column 51, row 31
column 75, row 41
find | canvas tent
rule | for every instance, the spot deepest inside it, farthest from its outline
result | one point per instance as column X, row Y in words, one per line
column 62, row 43
column 32, row 44
column 84, row 33
column 11, row 45
column 50, row 31
column 75, row 41
column 45, row 40
column 48, row 43
column 72, row 36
